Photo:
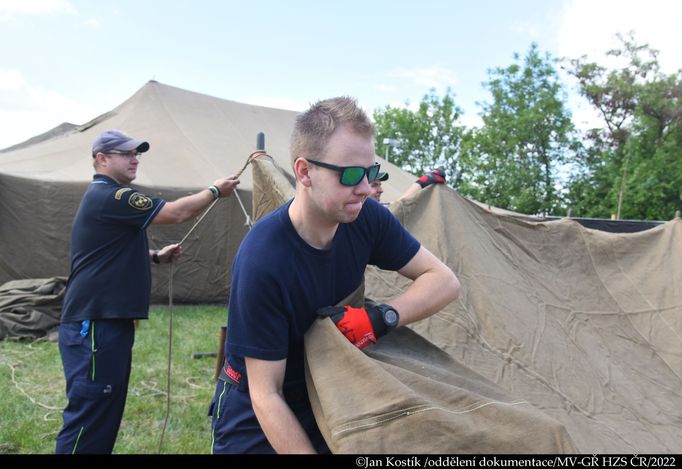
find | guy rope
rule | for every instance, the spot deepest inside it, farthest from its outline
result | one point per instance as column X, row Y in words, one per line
column 260, row 152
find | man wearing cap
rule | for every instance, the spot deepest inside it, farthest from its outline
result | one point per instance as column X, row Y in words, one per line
column 376, row 186
column 109, row 287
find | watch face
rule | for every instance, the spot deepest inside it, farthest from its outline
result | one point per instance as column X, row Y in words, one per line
column 391, row 317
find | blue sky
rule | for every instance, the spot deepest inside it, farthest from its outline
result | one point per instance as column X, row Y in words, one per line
column 71, row 60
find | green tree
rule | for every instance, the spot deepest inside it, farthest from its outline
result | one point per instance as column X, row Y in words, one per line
column 514, row 160
column 429, row 136
column 653, row 186
column 634, row 162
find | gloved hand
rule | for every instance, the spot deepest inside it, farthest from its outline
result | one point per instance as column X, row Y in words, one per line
column 437, row 176
column 361, row 326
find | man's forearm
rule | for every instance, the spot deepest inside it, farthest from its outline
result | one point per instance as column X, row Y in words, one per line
column 430, row 292
column 280, row 425
column 185, row 208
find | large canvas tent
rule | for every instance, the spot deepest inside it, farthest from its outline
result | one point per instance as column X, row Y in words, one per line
column 194, row 139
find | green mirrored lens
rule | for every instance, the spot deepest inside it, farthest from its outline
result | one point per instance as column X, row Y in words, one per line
column 372, row 173
column 352, row 175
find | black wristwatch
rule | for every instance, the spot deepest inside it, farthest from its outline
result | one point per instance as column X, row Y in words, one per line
column 389, row 315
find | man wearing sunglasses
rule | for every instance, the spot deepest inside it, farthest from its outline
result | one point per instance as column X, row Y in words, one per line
column 109, row 287
column 302, row 258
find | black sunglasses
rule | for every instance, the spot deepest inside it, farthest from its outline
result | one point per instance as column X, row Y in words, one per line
column 129, row 155
column 351, row 175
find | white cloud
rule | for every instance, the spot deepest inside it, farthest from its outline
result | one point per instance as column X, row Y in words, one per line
column 589, row 28
column 431, row 77
column 35, row 7
column 10, row 80
column 529, row 29
column 91, row 23
column 17, row 94
column 27, row 110
column 384, row 88
column 584, row 115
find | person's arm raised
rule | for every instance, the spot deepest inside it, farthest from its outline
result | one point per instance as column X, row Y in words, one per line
column 185, row 208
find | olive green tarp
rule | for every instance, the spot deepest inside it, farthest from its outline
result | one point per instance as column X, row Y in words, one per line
column 585, row 325
column 31, row 308
column 562, row 338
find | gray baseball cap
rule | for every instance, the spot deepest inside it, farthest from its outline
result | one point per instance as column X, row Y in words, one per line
column 117, row 140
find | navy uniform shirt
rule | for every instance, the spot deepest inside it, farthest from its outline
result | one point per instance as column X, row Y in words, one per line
column 110, row 272
column 279, row 281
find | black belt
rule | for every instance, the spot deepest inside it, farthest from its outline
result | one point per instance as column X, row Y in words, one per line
column 231, row 376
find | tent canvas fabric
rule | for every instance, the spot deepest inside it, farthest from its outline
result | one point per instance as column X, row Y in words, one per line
column 558, row 327
column 31, row 308
column 409, row 396
column 195, row 139
column 586, row 325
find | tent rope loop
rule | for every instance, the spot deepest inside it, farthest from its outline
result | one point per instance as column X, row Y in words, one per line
column 252, row 156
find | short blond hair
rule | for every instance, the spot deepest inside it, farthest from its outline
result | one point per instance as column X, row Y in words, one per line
column 314, row 127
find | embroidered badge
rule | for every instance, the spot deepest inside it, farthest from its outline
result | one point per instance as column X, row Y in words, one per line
column 120, row 192
column 140, row 201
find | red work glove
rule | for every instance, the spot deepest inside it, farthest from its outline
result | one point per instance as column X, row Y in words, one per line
column 437, row 176
column 361, row 326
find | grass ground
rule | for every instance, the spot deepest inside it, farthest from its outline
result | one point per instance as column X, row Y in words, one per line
column 33, row 394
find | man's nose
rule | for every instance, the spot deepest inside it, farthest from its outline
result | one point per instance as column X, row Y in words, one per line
column 363, row 186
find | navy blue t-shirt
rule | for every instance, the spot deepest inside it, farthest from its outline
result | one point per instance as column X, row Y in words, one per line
column 110, row 273
column 279, row 281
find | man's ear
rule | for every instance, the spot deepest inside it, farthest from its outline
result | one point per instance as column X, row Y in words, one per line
column 100, row 159
column 301, row 170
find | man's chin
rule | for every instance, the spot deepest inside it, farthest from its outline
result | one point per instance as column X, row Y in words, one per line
column 347, row 219
column 349, row 216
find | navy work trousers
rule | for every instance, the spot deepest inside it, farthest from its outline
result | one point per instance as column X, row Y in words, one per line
column 235, row 428
column 96, row 364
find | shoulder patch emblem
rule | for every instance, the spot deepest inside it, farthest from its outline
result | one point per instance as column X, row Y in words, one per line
column 140, row 201
column 120, row 192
